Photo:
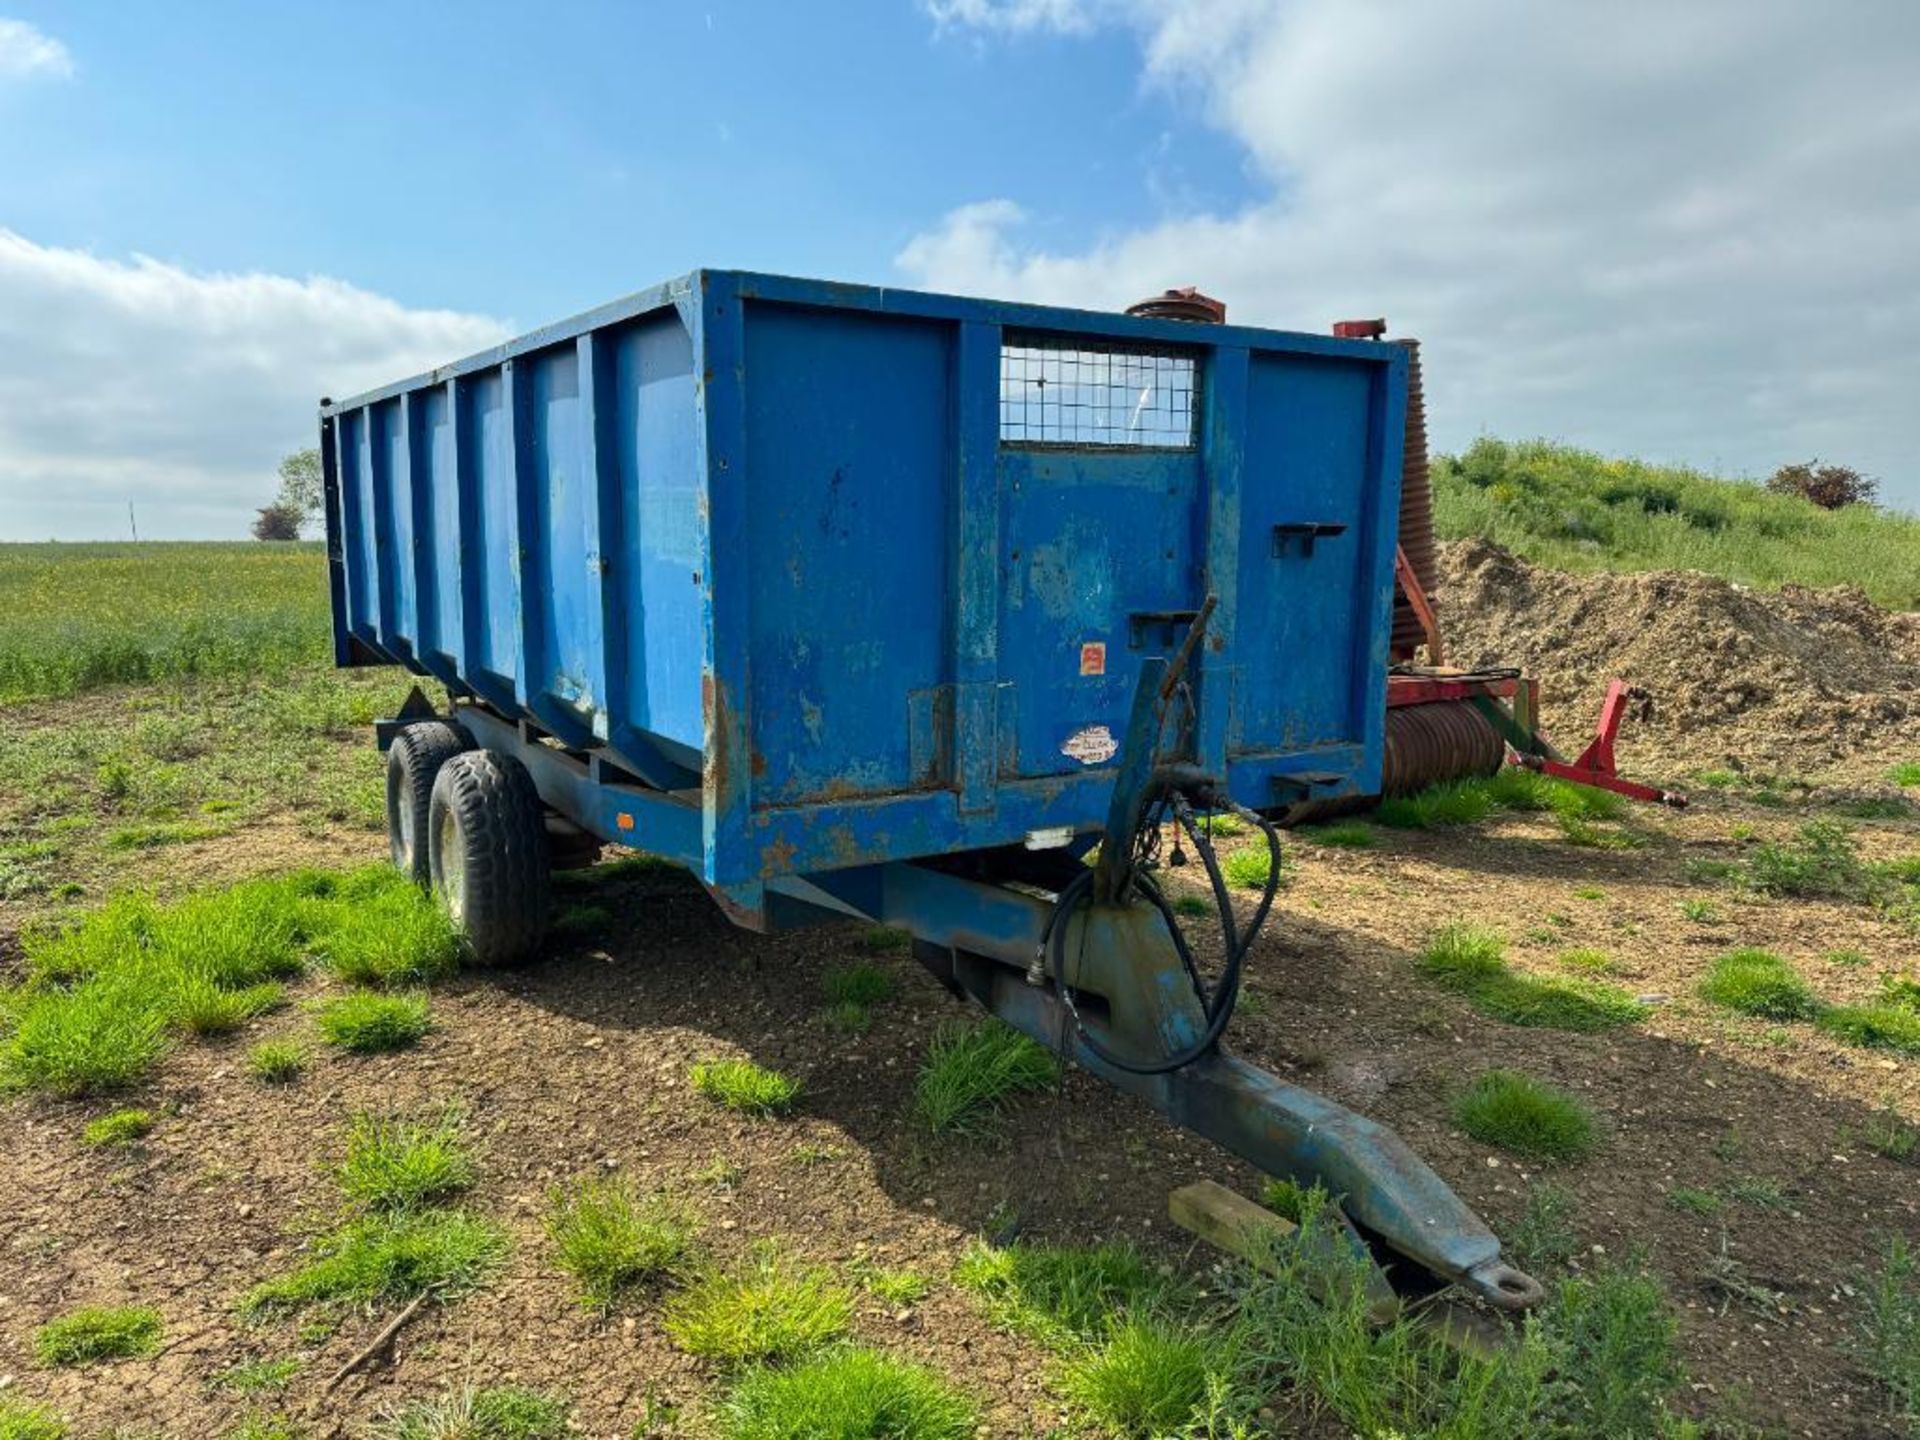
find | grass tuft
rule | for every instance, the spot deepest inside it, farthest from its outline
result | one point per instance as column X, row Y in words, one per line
column 862, row 983
column 119, row 1129
column 609, row 1240
column 1881, row 1026
column 388, row 1257
column 1057, row 1293
column 768, row 1311
column 1890, row 1329
column 367, row 1022
column 1342, row 835
column 1471, row 960
column 487, row 1412
column 20, row 1420
column 743, row 1086
column 972, row 1072
column 1248, row 868
column 1526, row 1116
column 381, row 930
column 276, row 1062
column 850, row 1393
column 1148, row 1378
column 1758, row 982
column 86, row 1337
column 394, row 1165
column 259, row 1377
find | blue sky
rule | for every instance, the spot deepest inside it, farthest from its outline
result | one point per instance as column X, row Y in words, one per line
column 1684, row 233
column 528, row 161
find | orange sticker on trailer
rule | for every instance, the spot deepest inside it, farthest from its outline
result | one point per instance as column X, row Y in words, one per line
column 1093, row 658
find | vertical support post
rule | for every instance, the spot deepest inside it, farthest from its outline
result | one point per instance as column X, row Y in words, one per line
column 1379, row 544
column 1224, row 458
column 473, row 559
column 336, row 555
column 727, row 771
column 976, row 582
column 523, row 558
column 601, row 515
column 386, row 563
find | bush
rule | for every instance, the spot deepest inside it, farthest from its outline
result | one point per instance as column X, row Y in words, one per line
column 1831, row 487
column 1526, row 1116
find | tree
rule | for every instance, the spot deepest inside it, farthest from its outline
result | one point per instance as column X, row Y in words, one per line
column 300, row 485
column 278, row 521
column 1828, row 486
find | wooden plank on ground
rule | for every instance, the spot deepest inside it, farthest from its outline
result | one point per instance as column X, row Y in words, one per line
column 1229, row 1220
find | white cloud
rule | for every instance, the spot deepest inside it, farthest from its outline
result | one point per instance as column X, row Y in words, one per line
column 1688, row 232
column 1014, row 16
column 142, row 382
column 26, row 51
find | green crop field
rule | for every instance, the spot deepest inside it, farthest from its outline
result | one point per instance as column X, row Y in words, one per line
column 1575, row 510
column 77, row 617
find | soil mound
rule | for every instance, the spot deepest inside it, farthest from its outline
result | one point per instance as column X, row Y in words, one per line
column 1795, row 681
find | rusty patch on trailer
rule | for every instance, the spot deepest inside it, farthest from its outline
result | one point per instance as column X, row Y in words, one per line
column 777, row 857
column 716, row 713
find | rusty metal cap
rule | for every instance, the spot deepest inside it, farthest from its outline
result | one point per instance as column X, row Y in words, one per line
column 1359, row 329
column 1185, row 303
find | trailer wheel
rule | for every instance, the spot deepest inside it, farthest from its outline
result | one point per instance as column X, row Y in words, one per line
column 487, row 851
column 413, row 761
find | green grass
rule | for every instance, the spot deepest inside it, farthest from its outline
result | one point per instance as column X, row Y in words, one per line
column 1572, row 509
column 1544, row 1234
column 743, row 1086
column 1759, row 982
column 394, row 1164
column 21, row 1420
column 893, row 1287
column 1598, row 1359
column 276, row 1062
column 972, row 1072
column 1148, row 1378
column 368, row 1022
column 486, row 1412
column 1248, row 868
column 120, row 1129
column 388, row 1257
column 861, row 983
column 1692, row 1200
column 105, row 995
column 1342, row 835
column 259, row 1377
column 1907, row 772
column 1438, row 807
column 78, row 617
column 1585, row 959
column 1821, row 861
column 398, row 936
column 850, row 1393
column 267, row 1427
column 86, row 1337
column 1886, row 1134
column 1525, row 1116
column 1057, row 1294
column 769, row 1310
column 1701, row 912
column 1514, row 788
column 1471, row 959
column 1890, row 1329
column 610, row 1240
column 1881, row 1026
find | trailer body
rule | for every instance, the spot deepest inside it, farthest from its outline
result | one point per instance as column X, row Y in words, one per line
column 815, row 576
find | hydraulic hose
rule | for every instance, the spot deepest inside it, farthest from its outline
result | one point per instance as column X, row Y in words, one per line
column 1217, row 1006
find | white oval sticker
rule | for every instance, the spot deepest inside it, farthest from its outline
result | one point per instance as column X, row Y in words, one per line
column 1091, row 746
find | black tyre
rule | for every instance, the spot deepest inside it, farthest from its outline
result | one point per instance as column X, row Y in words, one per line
column 487, row 852
column 413, row 761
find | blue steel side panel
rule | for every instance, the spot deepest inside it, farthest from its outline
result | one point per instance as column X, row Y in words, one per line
column 436, row 475
column 564, row 494
column 487, row 446
column 660, row 489
column 1308, row 424
column 849, row 488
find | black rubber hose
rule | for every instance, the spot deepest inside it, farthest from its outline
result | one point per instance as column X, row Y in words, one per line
column 1218, row 1008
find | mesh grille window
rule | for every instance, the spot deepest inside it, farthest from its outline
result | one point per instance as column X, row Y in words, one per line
column 1067, row 393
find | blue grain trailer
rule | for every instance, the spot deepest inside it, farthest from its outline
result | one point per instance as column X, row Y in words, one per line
column 867, row 603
